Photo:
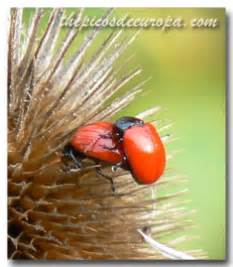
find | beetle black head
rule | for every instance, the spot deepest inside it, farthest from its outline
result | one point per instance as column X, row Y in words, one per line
column 125, row 123
column 69, row 150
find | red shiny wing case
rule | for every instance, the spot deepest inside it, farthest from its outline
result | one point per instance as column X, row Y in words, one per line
column 95, row 140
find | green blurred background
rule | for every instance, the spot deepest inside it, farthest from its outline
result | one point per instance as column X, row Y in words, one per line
column 187, row 67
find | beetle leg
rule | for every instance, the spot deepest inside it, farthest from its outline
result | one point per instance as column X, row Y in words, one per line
column 116, row 166
column 75, row 156
column 109, row 178
column 70, row 168
column 122, row 164
column 76, row 160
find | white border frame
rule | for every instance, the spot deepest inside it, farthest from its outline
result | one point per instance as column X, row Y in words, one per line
column 4, row 13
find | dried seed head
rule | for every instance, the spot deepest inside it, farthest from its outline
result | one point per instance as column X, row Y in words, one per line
column 74, row 215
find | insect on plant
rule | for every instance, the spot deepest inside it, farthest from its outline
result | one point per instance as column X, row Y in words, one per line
column 129, row 143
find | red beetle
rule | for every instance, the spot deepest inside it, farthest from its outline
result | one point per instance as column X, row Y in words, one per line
column 142, row 147
column 96, row 141
column 129, row 143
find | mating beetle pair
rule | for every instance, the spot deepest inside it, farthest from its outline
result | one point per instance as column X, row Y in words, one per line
column 128, row 143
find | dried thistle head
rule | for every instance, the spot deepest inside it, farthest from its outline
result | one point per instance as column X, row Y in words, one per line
column 57, row 215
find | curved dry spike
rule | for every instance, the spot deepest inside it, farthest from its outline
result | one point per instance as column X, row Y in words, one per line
column 31, row 42
column 69, row 116
column 44, row 53
column 25, row 101
column 93, row 85
column 56, row 62
column 51, row 109
column 25, row 64
column 73, row 62
column 79, row 53
column 90, row 76
column 54, row 66
column 120, row 101
column 14, row 38
column 45, row 33
column 100, row 75
column 164, row 128
column 101, row 98
column 118, row 105
column 106, row 64
column 119, row 50
column 94, row 101
column 112, row 88
column 13, row 53
column 165, row 250
column 149, row 112
column 96, row 58
column 66, row 43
